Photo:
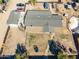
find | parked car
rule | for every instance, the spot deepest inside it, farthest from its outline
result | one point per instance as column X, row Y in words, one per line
column 20, row 7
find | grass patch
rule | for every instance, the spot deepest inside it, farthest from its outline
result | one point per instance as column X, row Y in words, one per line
column 31, row 38
column 63, row 36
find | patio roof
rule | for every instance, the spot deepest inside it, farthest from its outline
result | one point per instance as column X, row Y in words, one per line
column 13, row 18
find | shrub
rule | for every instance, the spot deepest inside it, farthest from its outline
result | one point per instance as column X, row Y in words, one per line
column 0, row 1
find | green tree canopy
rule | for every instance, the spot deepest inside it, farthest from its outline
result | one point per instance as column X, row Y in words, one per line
column 0, row 1
column 33, row 1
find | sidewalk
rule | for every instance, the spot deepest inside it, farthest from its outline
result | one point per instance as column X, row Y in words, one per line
column 4, row 17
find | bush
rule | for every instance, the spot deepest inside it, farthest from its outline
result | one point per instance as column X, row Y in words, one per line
column 0, row 1
column 33, row 1
column 18, row 56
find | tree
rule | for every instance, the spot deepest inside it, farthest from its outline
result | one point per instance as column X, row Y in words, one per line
column 33, row 2
column 17, row 56
column 62, row 56
column 0, row 1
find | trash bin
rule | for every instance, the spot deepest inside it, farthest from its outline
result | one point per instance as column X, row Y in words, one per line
column 66, row 6
column 73, row 4
column 45, row 5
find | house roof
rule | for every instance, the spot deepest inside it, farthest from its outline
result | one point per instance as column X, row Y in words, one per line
column 37, row 18
column 13, row 18
column 42, row 18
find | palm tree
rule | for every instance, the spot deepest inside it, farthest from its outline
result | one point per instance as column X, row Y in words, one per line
column 32, row 2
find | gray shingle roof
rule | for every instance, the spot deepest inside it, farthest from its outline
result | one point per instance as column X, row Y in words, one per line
column 41, row 18
column 38, row 18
